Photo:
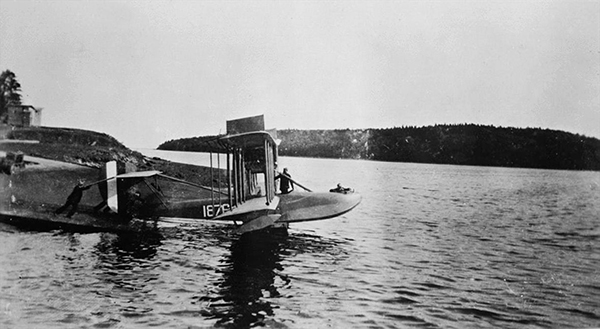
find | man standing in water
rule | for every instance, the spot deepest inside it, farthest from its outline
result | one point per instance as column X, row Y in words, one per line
column 285, row 184
column 73, row 199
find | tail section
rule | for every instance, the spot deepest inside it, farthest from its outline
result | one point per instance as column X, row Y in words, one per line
column 110, row 186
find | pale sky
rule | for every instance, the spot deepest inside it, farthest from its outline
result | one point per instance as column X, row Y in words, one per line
column 150, row 71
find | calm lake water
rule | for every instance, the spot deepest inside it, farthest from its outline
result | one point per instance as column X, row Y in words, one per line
column 430, row 246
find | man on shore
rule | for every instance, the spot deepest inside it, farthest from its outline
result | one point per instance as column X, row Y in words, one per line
column 73, row 199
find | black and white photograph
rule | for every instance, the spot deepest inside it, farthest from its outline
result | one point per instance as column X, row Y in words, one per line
column 299, row 164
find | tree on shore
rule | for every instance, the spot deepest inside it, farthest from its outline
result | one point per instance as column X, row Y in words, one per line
column 10, row 90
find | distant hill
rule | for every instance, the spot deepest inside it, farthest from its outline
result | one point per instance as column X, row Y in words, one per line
column 191, row 144
column 91, row 149
column 53, row 135
column 70, row 145
column 465, row 144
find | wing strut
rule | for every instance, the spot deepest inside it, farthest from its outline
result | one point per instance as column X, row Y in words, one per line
column 157, row 193
column 189, row 183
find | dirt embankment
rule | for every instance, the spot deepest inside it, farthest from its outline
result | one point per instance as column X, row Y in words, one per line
column 92, row 149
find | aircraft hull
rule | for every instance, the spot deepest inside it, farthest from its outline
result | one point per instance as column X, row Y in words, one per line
column 30, row 196
column 80, row 222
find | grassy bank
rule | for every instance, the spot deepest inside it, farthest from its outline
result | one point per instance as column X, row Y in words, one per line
column 92, row 149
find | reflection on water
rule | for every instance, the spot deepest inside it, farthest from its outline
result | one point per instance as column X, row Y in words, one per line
column 124, row 262
column 125, row 272
column 248, row 280
column 126, row 248
column 252, row 277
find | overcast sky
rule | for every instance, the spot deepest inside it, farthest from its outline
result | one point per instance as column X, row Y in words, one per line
column 150, row 71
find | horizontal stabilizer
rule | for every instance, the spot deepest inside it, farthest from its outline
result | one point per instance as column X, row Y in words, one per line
column 258, row 223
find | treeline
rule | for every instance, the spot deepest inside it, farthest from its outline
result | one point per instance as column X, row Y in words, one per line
column 463, row 144
column 192, row 144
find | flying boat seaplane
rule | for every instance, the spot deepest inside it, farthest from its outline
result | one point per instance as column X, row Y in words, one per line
column 242, row 190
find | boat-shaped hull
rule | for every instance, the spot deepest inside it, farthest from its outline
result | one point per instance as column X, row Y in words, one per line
column 30, row 196
column 80, row 222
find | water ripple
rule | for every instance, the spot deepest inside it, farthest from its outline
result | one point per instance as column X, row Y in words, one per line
column 429, row 247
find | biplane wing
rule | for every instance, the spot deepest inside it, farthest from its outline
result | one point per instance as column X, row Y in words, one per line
column 139, row 174
column 251, row 139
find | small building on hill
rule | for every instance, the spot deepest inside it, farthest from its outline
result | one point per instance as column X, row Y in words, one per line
column 23, row 116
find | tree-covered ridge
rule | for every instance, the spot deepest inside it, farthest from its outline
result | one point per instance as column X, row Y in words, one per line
column 343, row 144
column 464, row 144
column 192, row 144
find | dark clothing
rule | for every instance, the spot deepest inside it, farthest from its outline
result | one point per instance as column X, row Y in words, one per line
column 73, row 200
column 134, row 204
column 340, row 189
column 285, row 184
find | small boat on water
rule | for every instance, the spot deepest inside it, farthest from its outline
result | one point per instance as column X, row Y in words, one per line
column 242, row 190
